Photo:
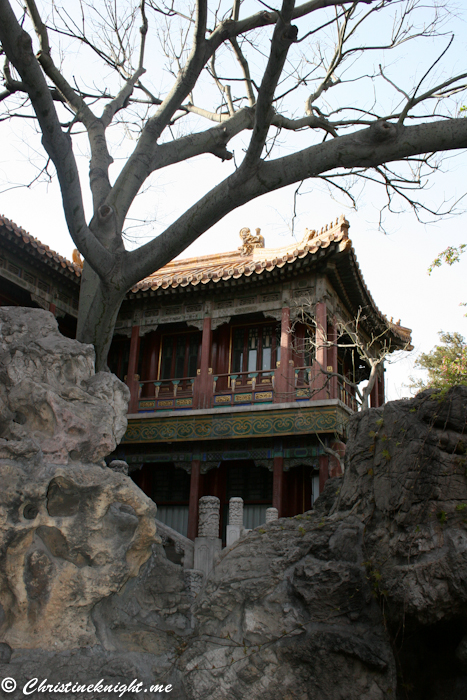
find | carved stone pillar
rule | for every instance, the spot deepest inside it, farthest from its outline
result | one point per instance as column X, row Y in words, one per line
column 235, row 526
column 208, row 545
column 271, row 514
column 236, row 511
column 208, row 525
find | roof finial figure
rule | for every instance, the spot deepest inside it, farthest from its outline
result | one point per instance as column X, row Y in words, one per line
column 77, row 258
column 249, row 241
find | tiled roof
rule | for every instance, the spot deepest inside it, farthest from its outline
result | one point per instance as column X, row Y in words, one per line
column 313, row 246
column 235, row 264
column 39, row 247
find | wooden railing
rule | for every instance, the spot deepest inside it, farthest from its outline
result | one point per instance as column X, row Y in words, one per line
column 166, row 387
column 235, row 389
column 166, row 393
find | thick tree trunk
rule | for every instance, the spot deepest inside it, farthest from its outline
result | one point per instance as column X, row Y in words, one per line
column 99, row 304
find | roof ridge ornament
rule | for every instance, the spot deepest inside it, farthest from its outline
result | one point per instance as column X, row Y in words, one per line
column 77, row 259
column 249, row 241
column 340, row 223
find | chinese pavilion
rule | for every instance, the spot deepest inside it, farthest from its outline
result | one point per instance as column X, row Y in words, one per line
column 239, row 386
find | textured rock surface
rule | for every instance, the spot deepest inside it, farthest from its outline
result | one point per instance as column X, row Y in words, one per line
column 151, row 614
column 72, row 531
column 140, row 633
column 407, row 469
column 85, row 666
column 51, row 401
column 364, row 597
column 68, row 539
column 288, row 613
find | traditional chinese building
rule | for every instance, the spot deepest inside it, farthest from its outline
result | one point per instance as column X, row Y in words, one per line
column 239, row 386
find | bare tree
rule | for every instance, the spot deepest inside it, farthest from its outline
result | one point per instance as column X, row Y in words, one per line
column 263, row 66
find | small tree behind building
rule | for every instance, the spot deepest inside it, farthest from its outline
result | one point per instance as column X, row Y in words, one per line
column 446, row 364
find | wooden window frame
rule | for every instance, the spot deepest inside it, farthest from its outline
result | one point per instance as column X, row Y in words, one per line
column 187, row 335
column 275, row 326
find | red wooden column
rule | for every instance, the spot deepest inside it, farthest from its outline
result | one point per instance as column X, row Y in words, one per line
column 52, row 308
column 284, row 389
column 132, row 379
column 323, row 462
column 320, row 363
column 195, row 495
column 278, row 484
column 152, row 364
column 331, row 360
column 203, row 390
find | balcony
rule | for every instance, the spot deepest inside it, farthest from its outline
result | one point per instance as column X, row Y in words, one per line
column 302, row 384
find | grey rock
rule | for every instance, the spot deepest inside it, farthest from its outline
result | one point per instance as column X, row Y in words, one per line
column 71, row 533
column 69, row 538
column 5, row 653
column 118, row 465
column 328, row 497
column 52, row 403
column 84, row 667
column 314, row 607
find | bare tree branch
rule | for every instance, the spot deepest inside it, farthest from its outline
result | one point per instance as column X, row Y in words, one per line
column 311, row 121
column 382, row 142
column 284, row 36
column 17, row 46
column 137, row 169
column 245, row 69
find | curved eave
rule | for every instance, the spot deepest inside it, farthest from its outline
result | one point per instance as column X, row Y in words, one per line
column 216, row 268
column 38, row 250
column 347, row 279
column 250, row 272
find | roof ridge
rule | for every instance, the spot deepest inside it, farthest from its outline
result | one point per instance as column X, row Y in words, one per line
column 206, row 266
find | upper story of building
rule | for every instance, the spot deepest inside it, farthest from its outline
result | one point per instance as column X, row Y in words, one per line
column 255, row 327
